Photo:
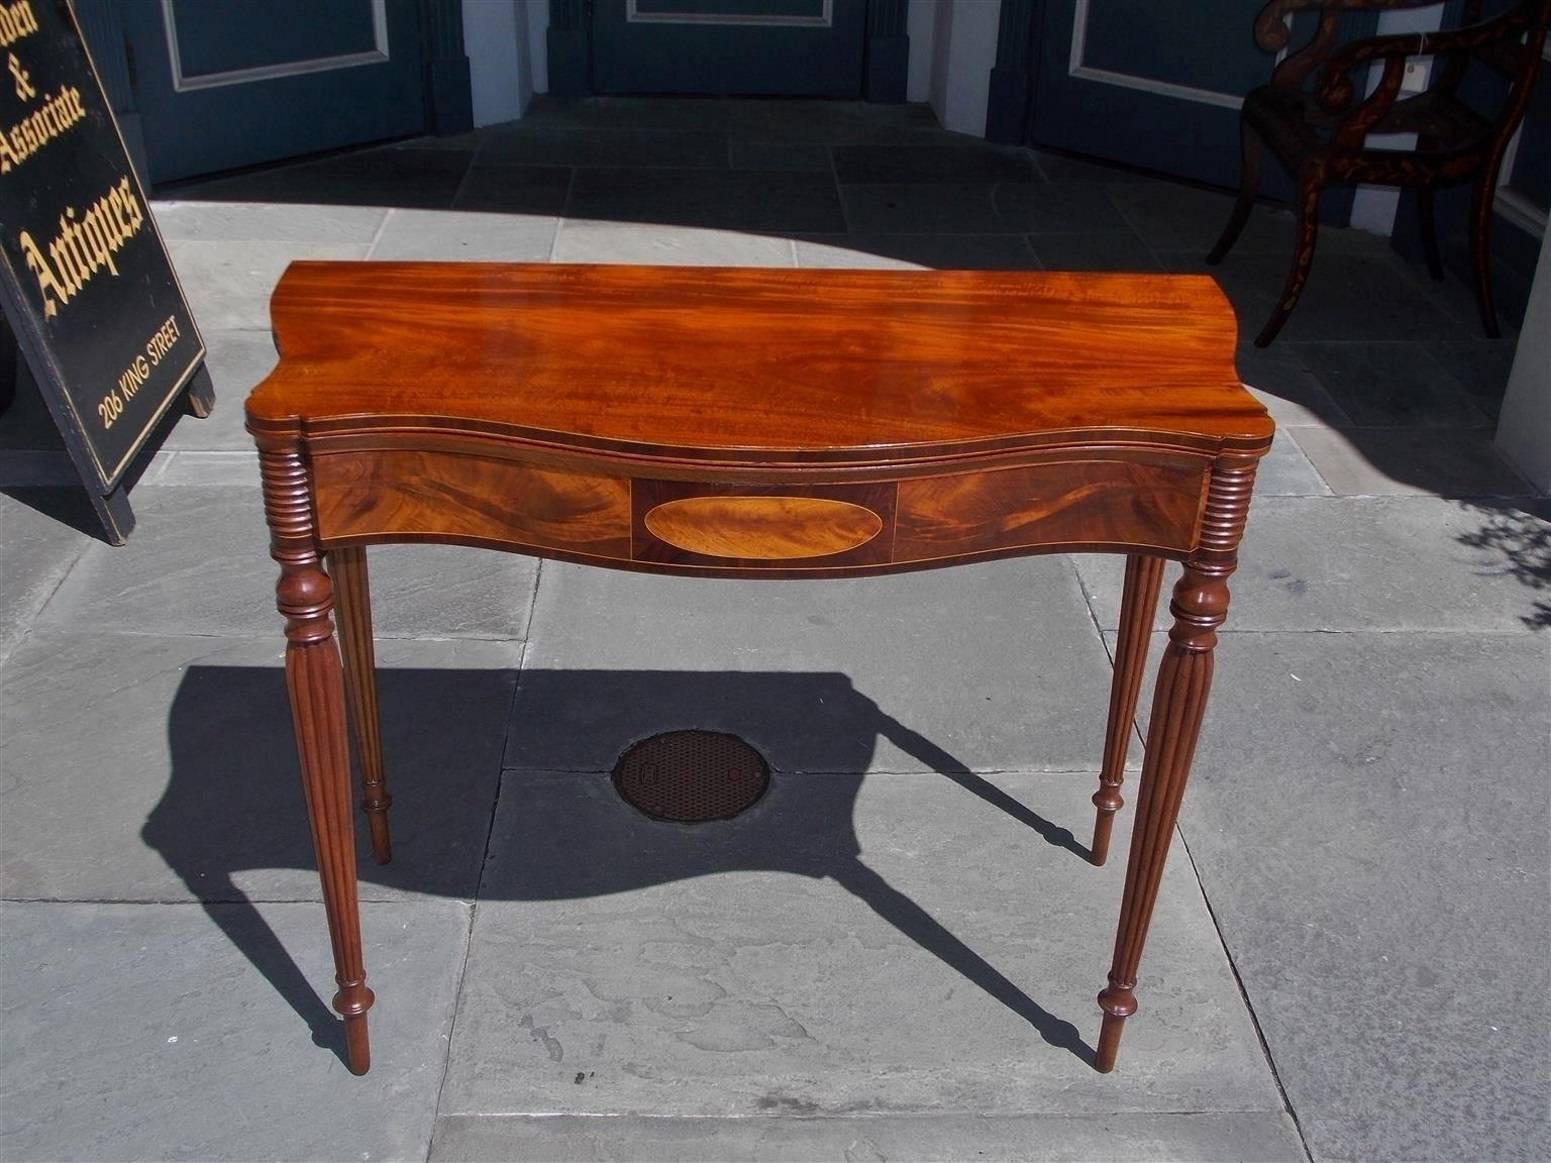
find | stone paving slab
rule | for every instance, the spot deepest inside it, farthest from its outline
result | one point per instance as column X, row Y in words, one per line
column 443, row 235
column 198, row 221
column 1105, row 250
column 37, row 549
column 409, row 176
column 775, row 155
column 988, row 667
column 896, row 944
column 177, row 1032
column 1130, row 1138
column 186, row 787
column 977, row 162
column 237, row 361
column 920, row 208
column 1481, row 365
column 208, row 469
column 1401, row 563
column 1286, row 472
column 527, row 191
column 1378, row 462
column 1392, row 385
column 228, row 282
column 1284, row 384
column 538, row 145
column 939, row 251
column 1049, row 208
column 1364, row 295
column 198, row 563
column 580, row 240
column 717, row 199
column 1375, row 838
column 1174, row 217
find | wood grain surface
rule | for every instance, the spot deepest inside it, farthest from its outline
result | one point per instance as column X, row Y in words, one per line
column 406, row 495
column 756, row 364
column 772, row 528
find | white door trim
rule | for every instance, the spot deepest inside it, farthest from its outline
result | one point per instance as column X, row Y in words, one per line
column 1084, row 72
column 825, row 18
column 184, row 84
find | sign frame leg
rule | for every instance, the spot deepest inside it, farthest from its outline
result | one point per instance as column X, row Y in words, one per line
column 200, row 400
column 118, row 519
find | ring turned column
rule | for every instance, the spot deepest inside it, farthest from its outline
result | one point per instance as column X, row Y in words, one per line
column 316, row 685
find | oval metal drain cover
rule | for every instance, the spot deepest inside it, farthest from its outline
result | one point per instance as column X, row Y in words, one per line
column 691, row 777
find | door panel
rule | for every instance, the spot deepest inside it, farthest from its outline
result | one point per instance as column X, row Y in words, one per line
column 1156, row 85
column 1143, row 43
column 807, row 48
column 245, row 81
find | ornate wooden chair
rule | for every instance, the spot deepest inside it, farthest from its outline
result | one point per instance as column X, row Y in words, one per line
column 1316, row 123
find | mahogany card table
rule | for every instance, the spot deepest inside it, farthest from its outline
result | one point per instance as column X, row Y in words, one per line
column 780, row 424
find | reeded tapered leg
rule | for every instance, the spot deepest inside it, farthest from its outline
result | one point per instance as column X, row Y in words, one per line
column 1144, row 575
column 1305, row 233
column 1249, row 183
column 315, row 680
column 1185, row 677
column 353, row 605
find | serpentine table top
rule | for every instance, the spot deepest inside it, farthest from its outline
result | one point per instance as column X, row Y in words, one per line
column 751, row 423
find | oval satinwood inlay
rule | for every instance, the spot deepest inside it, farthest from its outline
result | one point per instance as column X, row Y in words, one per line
column 763, row 528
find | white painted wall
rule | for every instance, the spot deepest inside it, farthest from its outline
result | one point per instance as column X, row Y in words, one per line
column 1524, row 428
column 952, row 67
column 495, row 37
column 921, row 27
column 538, row 42
column 942, row 44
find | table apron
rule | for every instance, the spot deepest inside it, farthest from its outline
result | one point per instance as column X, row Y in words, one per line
column 1071, row 499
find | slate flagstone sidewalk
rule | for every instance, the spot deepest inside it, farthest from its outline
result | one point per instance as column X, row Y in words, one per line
column 895, row 954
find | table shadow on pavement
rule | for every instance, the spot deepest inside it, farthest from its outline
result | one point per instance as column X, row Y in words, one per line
column 234, row 802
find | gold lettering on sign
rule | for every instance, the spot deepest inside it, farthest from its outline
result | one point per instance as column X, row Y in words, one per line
column 23, row 79
column 60, row 112
column 16, row 21
column 83, row 246
column 133, row 377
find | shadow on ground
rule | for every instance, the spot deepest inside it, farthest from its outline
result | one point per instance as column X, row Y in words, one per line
column 1520, row 538
column 227, row 809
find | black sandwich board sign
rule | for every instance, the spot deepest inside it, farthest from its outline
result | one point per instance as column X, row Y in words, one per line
column 86, row 283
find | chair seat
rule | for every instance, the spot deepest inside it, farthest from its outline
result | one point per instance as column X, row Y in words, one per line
column 1296, row 128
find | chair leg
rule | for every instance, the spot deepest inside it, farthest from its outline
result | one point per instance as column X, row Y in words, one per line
column 1481, row 247
column 1305, row 234
column 1249, row 183
column 1429, row 225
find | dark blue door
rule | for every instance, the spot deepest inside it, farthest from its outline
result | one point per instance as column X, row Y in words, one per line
column 227, row 83
column 1154, row 85
column 794, row 48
